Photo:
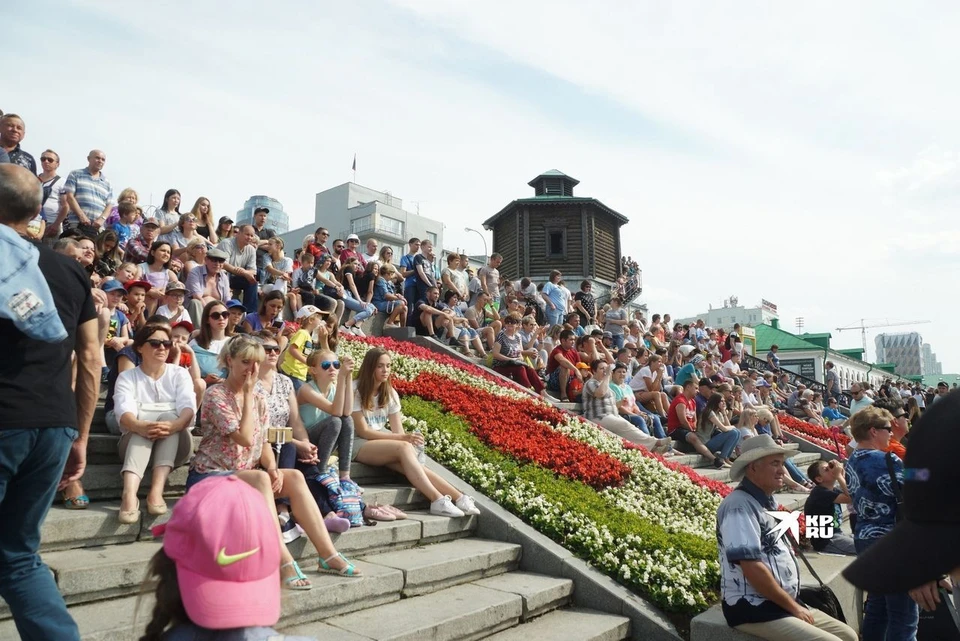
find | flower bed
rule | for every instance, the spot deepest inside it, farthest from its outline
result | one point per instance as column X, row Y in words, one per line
column 648, row 522
column 822, row 436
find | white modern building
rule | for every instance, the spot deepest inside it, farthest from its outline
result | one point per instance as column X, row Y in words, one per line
column 354, row 209
column 931, row 366
column 904, row 349
column 733, row 313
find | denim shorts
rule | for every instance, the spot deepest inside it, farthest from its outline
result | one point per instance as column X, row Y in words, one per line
column 194, row 477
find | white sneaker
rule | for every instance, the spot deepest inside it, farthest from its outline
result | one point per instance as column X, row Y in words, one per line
column 466, row 505
column 357, row 331
column 443, row 506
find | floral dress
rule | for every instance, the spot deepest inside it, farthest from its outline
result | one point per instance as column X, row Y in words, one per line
column 219, row 418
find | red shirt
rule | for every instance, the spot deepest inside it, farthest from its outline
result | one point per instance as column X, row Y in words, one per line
column 673, row 421
column 569, row 354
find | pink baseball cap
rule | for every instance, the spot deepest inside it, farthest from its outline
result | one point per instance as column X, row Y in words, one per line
column 224, row 542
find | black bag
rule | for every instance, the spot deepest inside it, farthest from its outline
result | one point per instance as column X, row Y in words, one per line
column 822, row 598
column 943, row 624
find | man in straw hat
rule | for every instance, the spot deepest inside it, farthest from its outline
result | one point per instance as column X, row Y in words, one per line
column 760, row 579
column 922, row 548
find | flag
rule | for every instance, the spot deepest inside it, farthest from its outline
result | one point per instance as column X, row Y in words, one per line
column 354, row 162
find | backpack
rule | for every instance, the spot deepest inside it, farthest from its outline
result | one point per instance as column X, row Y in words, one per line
column 344, row 496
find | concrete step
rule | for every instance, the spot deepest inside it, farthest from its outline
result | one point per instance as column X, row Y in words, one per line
column 569, row 625
column 463, row 612
column 97, row 525
column 435, row 567
column 101, row 480
column 723, row 474
column 711, row 626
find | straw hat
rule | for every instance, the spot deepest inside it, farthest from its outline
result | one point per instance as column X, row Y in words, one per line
column 754, row 449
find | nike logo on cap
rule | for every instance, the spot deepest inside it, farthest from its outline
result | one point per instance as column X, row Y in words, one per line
column 224, row 559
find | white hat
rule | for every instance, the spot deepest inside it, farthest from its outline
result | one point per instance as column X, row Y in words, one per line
column 307, row 311
column 686, row 350
column 754, row 449
column 353, row 237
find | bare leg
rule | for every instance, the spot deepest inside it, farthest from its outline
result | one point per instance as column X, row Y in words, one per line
column 304, row 507
column 261, row 482
column 400, row 457
column 699, row 446
column 128, row 498
column 427, row 321
column 564, row 380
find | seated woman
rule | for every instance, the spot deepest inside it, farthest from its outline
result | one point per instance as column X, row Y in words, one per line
column 387, row 300
column 155, row 405
column 210, row 340
column 233, row 418
column 325, row 405
column 195, row 254
column 268, row 318
column 156, row 271
column 508, row 356
column 358, row 286
column 380, row 440
column 714, row 420
column 284, row 411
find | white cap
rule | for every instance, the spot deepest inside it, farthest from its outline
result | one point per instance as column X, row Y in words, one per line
column 353, row 237
column 307, row 311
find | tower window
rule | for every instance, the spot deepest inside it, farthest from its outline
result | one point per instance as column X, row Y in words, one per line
column 556, row 242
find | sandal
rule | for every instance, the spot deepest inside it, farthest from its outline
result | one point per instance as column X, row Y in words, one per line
column 349, row 570
column 80, row 502
column 288, row 582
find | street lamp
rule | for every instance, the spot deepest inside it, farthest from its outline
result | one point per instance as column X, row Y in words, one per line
column 482, row 237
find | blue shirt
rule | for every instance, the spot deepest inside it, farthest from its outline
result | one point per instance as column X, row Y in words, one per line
column 684, row 374
column 406, row 264
column 92, row 194
column 832, row 414
column 555, row 294
column 125, row 233
column 870, row 487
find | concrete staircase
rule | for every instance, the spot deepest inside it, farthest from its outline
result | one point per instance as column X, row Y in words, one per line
column 425, row 577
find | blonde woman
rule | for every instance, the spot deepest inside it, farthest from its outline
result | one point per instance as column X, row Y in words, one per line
column 203, row 212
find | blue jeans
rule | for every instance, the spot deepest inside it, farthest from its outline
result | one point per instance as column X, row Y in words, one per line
column 250, row 292
column 724, row 442
column 31, row 464
column 363, row 310
column 637, row 422
column 653, row 420
column 795, row 472
column 618, row 341
column 554, row 316
column 887, row 617
column 194, row 477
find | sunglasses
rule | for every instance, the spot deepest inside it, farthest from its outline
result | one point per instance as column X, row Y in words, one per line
column 325, row 365
column 156, row 343
column 191, row 219
column 324, row 233
column 217, row 260
column 271, row 349
column 219, row 315
column 42, row 159
column 886, row 428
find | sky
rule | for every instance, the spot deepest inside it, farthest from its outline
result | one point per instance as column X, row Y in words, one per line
column 803, row 153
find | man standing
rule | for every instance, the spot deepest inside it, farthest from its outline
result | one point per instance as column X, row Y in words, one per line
column 45, row 423
column 489, row 276
column 241, row 264
column 53, row 208
column 426, row 269
column 409, row 272
column 264, row 234
column 12, row 133
column 88, row 193
column 760, row 579
column 206, row 283
column 831, row 381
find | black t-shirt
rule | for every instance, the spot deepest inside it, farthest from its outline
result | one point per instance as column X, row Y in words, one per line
column 36, row 376
column 822, row 503
column 263, row 256
column 587, row 301
column 134, row 357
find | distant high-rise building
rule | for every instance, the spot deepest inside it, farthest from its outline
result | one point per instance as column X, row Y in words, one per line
column 931, row 365
column 905, row 350
column 277, row 219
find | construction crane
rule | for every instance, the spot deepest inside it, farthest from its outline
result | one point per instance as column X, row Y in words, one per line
column 863, row 327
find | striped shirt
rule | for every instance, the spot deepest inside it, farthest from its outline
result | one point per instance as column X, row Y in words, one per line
column 92, row 194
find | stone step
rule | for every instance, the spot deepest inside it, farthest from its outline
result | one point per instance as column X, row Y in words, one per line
column 723, row 474
column 461, row 612
column 435, row 567
column 572, row 624
column 97, row 525
column 101, row 481
column 711, row 625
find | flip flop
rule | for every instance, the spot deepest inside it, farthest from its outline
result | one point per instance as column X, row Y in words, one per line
column 80, row 502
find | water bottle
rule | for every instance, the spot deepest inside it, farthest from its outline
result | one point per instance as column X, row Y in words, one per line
column 421, row 454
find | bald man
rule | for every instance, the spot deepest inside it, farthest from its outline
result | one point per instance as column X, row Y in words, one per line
column 88, row 194
column 44, row 421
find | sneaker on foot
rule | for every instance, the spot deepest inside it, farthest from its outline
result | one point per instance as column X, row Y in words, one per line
column 466, row 505
column 288, row 528
column 444, row 506
column 357, row 331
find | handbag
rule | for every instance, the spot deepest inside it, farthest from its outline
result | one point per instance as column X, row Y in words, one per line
column 821, row 597
column 943, row 624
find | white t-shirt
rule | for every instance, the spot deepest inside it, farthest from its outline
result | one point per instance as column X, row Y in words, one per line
column 52, row 206
column 133, row 387
column 749, row 400
column 637, row 384
column 285, row 265
column 730, row 369
column 379, row 417
column 182, row 316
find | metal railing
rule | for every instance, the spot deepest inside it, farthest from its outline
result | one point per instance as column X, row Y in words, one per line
column 762, row 365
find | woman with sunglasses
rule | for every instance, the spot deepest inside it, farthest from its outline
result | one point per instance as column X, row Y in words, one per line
column 300, row 453
column 211, row 339
column 234, row 419
column 155, row 406
column 508, row 356
column 381, row 441
column 325, row 404
column 186, row 231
